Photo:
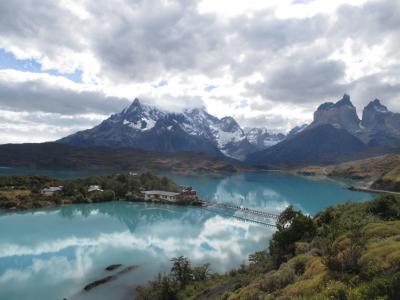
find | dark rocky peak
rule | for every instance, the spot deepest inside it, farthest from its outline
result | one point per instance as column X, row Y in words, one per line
column 377, row 118
column 135, row 106
column 376, row 106
column 326, row 106
column 341, row 114
column 345, row 101
column 229, row 124
column 132, row 113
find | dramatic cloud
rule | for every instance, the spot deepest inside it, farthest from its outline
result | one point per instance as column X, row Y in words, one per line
column 37, row 95
column 267, row 63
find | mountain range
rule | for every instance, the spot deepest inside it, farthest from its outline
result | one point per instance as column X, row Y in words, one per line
column 335, row 135
column 148, row 128
column 145, row 136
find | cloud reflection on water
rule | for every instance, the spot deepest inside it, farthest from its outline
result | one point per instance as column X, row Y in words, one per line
column 53, row 253
column 156, row 235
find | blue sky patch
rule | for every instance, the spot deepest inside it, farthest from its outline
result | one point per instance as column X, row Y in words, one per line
column 9, row 61
column 206, row 247
column 210, row 87
column 242, row 104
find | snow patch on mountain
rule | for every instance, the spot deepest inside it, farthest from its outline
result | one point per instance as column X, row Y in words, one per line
column 261, row 138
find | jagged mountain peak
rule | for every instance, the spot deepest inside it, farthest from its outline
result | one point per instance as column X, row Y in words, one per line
column 136, row 101
column 341, row 114
column 134, row 106
column 377, row 106
column 382, row 126
column 345, row 101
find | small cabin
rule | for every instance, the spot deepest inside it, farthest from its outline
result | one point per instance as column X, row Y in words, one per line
column 162, row 195
column 50, row 191
column 188, row 191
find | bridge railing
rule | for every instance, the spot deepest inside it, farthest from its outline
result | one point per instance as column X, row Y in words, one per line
column 239, row 208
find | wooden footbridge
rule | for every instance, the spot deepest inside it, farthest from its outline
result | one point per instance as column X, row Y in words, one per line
column 242, row 213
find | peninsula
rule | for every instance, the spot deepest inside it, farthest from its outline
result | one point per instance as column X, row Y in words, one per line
column 23, row 192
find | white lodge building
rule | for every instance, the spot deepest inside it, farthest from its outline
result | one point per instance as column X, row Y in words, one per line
column 162, row 195
column 50, row 191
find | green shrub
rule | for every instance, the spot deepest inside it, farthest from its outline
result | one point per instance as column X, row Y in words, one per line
column 102, row 196
column 378, row 288
column 387, row 207
column 335, row 290
column 162, row 288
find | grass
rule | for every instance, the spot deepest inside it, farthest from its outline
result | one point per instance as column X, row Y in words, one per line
column 14, row 194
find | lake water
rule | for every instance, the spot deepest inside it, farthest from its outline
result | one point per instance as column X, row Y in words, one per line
column 54, row 253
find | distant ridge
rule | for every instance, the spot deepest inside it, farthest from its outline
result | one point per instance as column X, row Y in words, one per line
column 61, row 156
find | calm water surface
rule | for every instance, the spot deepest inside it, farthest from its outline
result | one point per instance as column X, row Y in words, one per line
column 54, row 253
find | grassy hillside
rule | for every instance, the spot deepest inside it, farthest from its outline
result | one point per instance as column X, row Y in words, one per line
column 389, row 181
column 383, row 171
column 367, row 168
column 349, row 251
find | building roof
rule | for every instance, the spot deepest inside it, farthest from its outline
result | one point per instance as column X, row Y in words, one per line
column 162, row 193
column 93, row 188
column 52, row 189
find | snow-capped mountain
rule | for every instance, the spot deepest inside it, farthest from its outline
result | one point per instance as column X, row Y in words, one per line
column 149, row 128
column 261, row 138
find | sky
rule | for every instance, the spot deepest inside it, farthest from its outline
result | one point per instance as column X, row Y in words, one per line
column 65, row 65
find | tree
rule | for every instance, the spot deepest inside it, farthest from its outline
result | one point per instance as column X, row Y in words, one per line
column 181, row 270
column 292, row 226
column 162, row 288
column 202, row 272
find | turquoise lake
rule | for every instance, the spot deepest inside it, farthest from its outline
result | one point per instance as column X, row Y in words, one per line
column 54, row 253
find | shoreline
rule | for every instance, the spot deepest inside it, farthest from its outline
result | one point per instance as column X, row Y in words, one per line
column 370, row 190
column 55, row 205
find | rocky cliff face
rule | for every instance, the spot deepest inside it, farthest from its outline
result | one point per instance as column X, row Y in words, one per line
column 380, row 125
column 341, row 115
column 374, row 115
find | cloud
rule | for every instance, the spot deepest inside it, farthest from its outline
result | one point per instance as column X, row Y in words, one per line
column 172, row 53
column 36, row 94
column 149, row 38
column 305, row 80
column 16, row 127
